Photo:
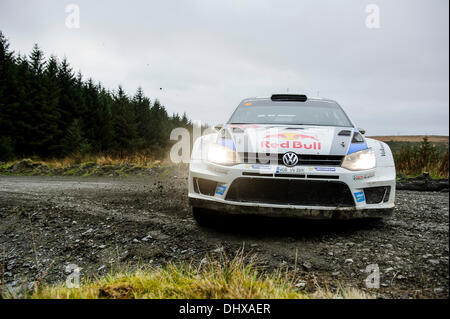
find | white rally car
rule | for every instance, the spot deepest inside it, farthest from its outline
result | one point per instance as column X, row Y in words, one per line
column 294, row 156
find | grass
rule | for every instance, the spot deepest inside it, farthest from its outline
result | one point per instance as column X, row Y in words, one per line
column 85, row 165
column 412, row 159
column 218, row 278
column 412, row 138
column 138, row 159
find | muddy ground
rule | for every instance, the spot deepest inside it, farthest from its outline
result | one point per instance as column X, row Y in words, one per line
column 104, row 223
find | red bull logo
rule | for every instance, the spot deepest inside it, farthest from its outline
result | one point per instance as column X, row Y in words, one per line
column 292, row 136
column 291, row 144
column 291, row 141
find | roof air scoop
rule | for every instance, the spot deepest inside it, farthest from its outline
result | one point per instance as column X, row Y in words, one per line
column 289, row 97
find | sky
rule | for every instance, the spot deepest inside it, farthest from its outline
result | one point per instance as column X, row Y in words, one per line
column 388, row 67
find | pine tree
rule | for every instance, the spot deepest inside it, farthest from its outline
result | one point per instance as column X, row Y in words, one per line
column 159, row 126
column 6, row 59
column 142, row 113
column 74, row 143
column 124, row 123
column 54, row 132
column 19, row 106
column 37, row 62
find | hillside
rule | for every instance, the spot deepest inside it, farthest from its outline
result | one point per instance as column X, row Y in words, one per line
column 412, row 138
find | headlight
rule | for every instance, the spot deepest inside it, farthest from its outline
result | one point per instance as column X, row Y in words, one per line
column 221, row 155
column 359, row 161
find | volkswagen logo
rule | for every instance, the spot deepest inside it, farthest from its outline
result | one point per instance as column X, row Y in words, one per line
column 290, row 159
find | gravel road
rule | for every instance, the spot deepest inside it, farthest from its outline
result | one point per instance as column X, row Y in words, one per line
column 99, row 224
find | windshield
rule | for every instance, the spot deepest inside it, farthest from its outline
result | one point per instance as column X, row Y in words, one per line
column 322, row 113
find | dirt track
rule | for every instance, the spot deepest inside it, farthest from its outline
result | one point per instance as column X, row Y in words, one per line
column 98, row 223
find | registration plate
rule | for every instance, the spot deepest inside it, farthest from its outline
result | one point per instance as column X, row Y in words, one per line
column 290, row 170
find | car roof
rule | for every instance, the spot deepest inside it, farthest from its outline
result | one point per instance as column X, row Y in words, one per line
column 268, row 101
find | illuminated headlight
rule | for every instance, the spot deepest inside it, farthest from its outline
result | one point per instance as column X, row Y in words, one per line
column 221, row 155
column 359, row 161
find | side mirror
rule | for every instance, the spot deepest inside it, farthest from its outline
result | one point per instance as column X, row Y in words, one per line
column 361, row 130
column 218, row 127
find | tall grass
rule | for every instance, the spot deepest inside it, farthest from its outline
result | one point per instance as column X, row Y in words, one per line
column 216, row 278
column 415, row 159
column 142, row 159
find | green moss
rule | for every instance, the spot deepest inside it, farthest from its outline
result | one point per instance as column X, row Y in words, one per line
column 6, row 166
column 122, row 174
column 71, row 172
column 84, row 165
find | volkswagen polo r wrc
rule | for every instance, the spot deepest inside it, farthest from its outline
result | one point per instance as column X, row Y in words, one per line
column 293, row 156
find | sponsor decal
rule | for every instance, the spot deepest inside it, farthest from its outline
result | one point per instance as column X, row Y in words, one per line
column 361, row 177
column 325, row 169
column 220, row 190
column 291, row 144
column 259, row 166
column 291, row 140
column 382, row 150
column 359, row 196
column 292, row 136
column 218, row 169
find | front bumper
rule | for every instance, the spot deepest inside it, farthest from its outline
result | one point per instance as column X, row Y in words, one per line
column 289, row 211
column 357, row 182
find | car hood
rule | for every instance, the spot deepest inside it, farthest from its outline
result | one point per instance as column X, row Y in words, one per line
column 301, row 139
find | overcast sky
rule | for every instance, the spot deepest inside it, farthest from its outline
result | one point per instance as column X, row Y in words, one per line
column 209, row 55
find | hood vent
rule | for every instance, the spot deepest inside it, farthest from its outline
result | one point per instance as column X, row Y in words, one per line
column 345, row 133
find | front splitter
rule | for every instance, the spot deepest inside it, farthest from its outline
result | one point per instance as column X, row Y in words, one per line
column 306, row 213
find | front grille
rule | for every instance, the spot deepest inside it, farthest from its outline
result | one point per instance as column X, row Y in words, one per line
column 324, row 176
column 259, row 174
column 304, row 159
column 374, row 195
column 204, row 186
column 284, row 175
column 290, row 192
